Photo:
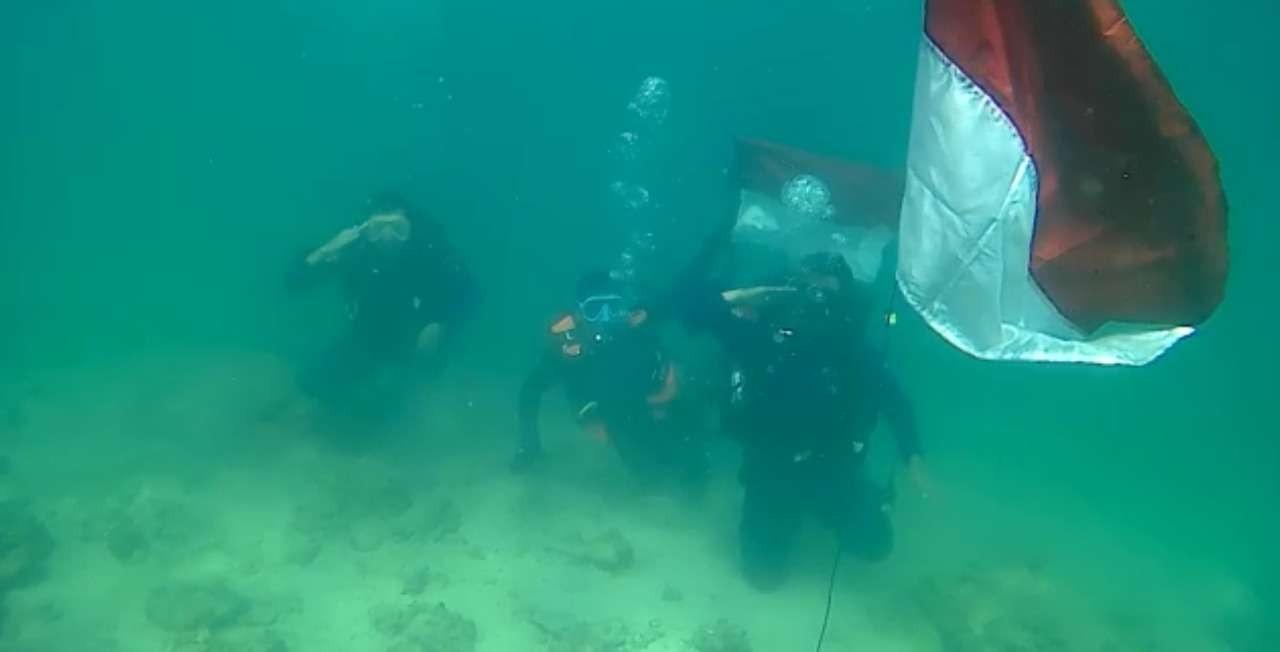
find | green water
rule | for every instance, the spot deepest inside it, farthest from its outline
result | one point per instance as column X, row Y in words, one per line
column 160, row 162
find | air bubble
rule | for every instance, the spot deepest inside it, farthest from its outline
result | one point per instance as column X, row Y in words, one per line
column 809, row 196
column 626, row 147
column 652, row 101
column 632, row 196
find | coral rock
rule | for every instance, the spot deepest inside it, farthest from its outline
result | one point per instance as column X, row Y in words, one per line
column 194, row 607
column 419, row 628
column 610, row 552
column 721, row 636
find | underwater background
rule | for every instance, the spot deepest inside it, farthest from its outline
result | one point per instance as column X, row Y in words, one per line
column 161, row 163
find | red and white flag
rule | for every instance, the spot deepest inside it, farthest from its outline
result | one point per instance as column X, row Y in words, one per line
column 798, row 202
column 1060, row 204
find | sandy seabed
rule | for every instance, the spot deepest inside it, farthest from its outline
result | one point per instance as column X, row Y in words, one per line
column 192, row 503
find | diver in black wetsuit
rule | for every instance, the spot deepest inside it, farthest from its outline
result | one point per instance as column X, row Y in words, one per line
column 805, row 393
column 624, row 388
column 407, row 292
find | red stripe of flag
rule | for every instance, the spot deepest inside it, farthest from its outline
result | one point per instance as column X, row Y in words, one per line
column 1131, row 220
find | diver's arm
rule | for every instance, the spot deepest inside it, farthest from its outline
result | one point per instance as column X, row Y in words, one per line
column 331, row 251
column 461, row 294
column 445, row 296
column 314, row 266
column 900, row 415
column 902, row 420
column 301, row 275
column 543, row 376
column 706, row 309
column 444, row 281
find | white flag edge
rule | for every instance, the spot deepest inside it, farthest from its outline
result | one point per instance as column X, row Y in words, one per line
column 965, row 236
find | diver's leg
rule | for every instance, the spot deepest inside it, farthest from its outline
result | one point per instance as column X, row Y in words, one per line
column 679, row 438
column 381, row 397
column 694, row 465
column 644, row 445
column 690, row 436
column 404, row 377
column 770, row 520
column 858, row 511
column 331, row 377
column 632, row 447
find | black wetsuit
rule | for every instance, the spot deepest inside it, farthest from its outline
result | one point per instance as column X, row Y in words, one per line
column 803, row 406
column 619, row 380
column 390, row 299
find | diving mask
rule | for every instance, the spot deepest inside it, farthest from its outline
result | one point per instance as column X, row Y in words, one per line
column 604, row 308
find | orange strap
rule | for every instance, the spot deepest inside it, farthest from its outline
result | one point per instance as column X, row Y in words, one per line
column 563, row 325
column 669, row 389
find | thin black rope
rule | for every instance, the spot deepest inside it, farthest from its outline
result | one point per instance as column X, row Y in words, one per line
column 890, row 318
column 831, row 592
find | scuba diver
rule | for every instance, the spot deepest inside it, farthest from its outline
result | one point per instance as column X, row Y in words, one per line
column 407, row 291
column 608, row 357
column 804, row 395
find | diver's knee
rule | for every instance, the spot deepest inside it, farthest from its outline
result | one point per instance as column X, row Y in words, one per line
column 765, row 571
